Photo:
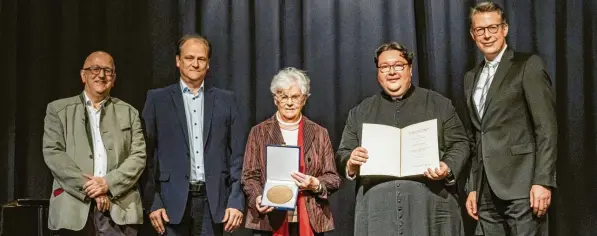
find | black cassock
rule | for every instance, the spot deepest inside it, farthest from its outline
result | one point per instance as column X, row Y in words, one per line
column 416, row 205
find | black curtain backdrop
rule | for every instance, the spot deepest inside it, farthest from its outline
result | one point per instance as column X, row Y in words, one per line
column 43, row 45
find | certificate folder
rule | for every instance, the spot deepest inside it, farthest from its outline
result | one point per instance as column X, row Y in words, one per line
column 409, row 151
column 280, row 190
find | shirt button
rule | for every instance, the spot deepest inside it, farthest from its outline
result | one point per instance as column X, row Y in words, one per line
column 195, row 123
column 196, row 151
column 196, row 137
column 194, row 110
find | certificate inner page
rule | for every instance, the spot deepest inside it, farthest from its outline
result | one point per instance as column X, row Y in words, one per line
column 419, row 148
column 383, row 147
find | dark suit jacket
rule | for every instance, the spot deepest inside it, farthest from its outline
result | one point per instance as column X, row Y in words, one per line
column 516, row 140
column 224, row 137
column 319, row 162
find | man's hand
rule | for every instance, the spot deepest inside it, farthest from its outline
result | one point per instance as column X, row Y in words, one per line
column 305, row 182
column 95, row 186
column 102, row 203
column 439, row 173
column 358, row 157
column 471, row 205
column 157, row 220
column 262, row 209
column 540, row 198
column 233, row 219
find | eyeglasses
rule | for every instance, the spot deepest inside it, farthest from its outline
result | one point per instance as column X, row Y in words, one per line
column 478, row 31
column 96, row 70
column 386, row 68
column 286, row 99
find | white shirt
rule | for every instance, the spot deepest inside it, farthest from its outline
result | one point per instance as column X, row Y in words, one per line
column 485, row 79
column 100, row 157
column 290, row 138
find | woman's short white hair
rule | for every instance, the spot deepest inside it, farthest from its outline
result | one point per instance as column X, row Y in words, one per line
column 289, row 76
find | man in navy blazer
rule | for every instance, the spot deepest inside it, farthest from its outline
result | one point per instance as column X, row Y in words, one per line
column 196, row 139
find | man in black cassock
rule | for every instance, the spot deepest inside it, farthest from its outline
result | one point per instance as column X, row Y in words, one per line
column 420, row 205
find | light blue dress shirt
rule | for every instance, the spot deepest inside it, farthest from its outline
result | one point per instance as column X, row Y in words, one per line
column 193, row 106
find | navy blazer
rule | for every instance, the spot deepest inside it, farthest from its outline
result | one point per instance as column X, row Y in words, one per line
column 224, row 137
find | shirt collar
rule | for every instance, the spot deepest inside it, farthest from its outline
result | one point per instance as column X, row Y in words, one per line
column 185, row 89
column 497, row 59
column 89, row 103
column 404, row 96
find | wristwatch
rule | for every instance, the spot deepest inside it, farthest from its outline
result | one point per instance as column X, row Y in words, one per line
column 318, row 189
column 450, row 178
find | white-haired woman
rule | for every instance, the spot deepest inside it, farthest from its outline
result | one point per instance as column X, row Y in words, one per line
column 317, row 177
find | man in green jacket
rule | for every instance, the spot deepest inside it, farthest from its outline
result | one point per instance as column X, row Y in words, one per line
column 94, row 147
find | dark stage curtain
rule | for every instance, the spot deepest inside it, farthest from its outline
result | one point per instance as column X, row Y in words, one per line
column 43, row 45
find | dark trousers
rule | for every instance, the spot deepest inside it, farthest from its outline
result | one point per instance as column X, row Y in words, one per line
column 197, row 220
column 507, row 217
column 100, row 224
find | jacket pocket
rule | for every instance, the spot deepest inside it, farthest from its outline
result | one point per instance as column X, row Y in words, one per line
column 520, row 149
column 125, row 126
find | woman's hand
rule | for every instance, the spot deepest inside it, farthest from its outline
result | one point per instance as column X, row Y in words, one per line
column 262, row 209
column 306, row 182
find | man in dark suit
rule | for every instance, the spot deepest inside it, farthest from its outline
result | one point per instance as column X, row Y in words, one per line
column 511, row 107
column 196, row 138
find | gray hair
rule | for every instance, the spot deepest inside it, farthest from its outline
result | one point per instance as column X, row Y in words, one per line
column 287, row 77
column 484, row 7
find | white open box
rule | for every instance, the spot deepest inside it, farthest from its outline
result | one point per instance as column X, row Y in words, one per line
column 280, row 162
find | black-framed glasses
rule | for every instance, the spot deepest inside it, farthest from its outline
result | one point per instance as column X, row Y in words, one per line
column 96, row 70
column 386, row 68
column 478, row 31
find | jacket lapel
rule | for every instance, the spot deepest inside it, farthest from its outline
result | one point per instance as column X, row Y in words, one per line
column 273, row 131
column 470, row 90
column 176, row 94
column 308, row 135
column 208, row 107
column 498, row 78
column 87, row 148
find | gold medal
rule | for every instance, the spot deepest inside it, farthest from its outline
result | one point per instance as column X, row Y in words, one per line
column 279, row 194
